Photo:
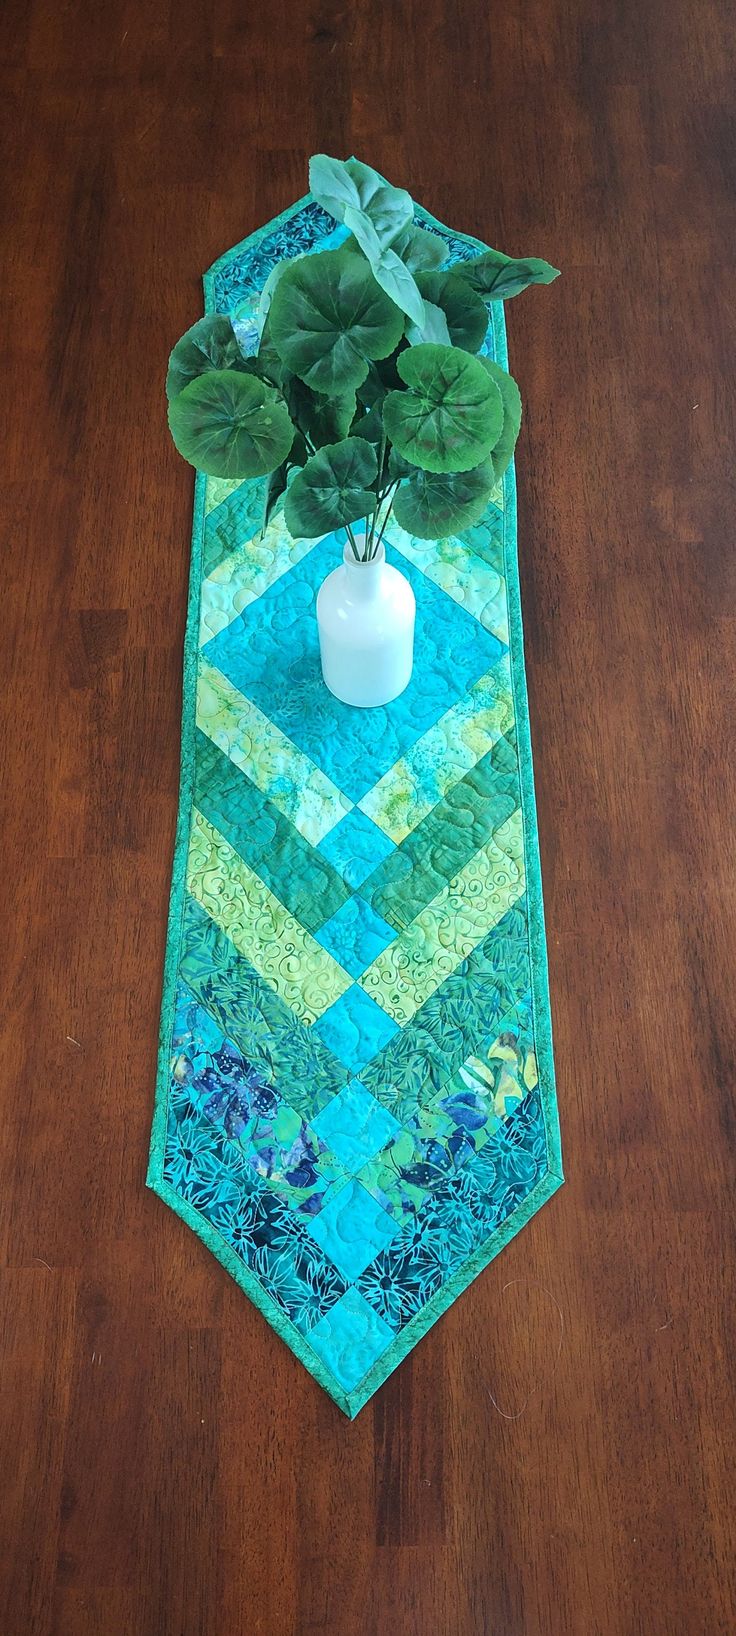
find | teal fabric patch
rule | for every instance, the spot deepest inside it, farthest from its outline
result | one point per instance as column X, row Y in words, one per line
column 355, row 1126
column 356, row 935
column 351, row 1338
column 356, row 846
column 355, row 1104
column 352, row 1228
column 355, row 1028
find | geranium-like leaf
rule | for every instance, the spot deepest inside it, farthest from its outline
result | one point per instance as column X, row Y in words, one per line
column 511, row 397
column 388, row 269
column 465, row 313
column 342, row 184
column 210, row 344
column 269, row 362
column 230, row 424
column 451, row 414
column 498, row 277
column 398, row 466
column 369, row 425
column 275, row 491
column 332, row 489
column 382, row 377
column 266, row 296
column 321, row 418
column 432, row 505
column 420, row 251
column 280, row 479
column 433, row 328
column 329, row 317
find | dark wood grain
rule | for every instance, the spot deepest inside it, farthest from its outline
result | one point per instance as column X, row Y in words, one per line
column 556, row 1458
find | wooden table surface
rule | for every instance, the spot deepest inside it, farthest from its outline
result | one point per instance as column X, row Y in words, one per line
column 553, row 1460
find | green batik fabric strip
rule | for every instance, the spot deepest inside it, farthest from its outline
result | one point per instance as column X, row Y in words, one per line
column 355, row 1104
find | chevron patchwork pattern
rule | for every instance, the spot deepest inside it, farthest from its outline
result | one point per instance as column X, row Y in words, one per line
column 356, row 1106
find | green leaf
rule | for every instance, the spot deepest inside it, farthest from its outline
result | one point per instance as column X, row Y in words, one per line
column 465, row 313
column 498, row 277
column 275, row 491
column 333, row 489
column 398, row 466
column 329, row 317
column 322, row 419
column 229, row 424
column 388, row 269
column 266, row 296
column 269, row 363
column 452, row 413
column 209, row 344
column 369, row 425
column 434, row 327
column 280, row 479
column 432, row 505
column 382, row 377
column 511, row 397
column 343, row 184
column 420, row 251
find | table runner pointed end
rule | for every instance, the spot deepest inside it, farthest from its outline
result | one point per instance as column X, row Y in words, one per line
column 355, row 1104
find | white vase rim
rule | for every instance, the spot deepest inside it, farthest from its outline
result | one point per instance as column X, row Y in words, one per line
column 351, row 561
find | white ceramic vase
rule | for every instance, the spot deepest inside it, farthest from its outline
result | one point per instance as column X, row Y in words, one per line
column 365, row 616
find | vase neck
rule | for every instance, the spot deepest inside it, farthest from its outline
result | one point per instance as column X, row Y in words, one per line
column 363, row 577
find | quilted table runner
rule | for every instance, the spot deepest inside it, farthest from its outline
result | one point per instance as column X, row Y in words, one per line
column 355, row 1105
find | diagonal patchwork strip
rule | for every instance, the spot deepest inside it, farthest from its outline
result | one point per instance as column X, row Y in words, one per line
column 355, row 1105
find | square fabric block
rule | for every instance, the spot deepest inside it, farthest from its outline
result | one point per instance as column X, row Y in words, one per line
column 351, row 1229
column 355, row 1126
column 355, row 935
column 355, row 847
column 355, row 1105
column 351, row 1338
column 355, row 1028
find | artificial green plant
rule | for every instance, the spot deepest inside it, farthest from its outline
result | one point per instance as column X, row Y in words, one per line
column 366, row 396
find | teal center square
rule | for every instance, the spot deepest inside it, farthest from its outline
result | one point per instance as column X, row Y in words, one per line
column 352, row 1229
column 355, row 847
column 355, row 1028
column 355, row 935
column 350, row 1338
column 271, row 655
column 355, row 1126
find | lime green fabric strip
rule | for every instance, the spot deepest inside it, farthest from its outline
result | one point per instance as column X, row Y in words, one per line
column 297, row 967
column 412, row 967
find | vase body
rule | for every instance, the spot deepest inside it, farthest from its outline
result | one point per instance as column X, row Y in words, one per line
column 365, row 617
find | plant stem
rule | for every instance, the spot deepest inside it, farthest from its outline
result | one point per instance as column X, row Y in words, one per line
column 369, row 531
column 370, row 548
column 351, row 538
column 390, row 492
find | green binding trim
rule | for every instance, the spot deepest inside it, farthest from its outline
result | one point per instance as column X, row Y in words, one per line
column 154, row 1175
column 352, row 1402
column 541, row 1010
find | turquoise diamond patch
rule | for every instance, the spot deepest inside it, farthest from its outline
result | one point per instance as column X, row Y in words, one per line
column 355, row 935
column 352, row 1229
column 355, row 847
column 351, row 1338
column 355, row 1126
column 355, row 1028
